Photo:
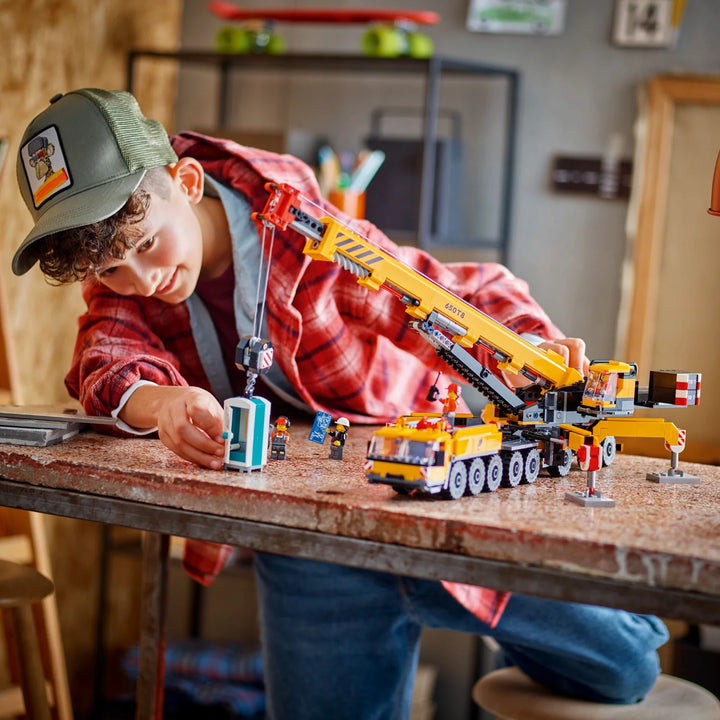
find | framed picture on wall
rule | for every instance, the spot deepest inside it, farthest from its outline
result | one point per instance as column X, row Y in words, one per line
column 646, row 23
column 528, row 17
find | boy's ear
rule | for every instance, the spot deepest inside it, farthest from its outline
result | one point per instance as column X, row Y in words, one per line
column 190, row 176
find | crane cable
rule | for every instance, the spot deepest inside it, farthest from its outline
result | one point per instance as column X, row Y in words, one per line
column 261, row 293
column 262, row 282
column 251, row 374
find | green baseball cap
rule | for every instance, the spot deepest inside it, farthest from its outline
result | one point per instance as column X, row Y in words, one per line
column 81, row 159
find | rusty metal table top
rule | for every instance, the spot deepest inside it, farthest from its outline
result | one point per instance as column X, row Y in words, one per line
column 658, row 550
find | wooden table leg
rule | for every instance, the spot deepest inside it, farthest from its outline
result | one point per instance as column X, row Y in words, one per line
column 152, row 632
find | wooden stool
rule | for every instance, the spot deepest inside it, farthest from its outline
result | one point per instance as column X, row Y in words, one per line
column 512, row 695
column 20, row 587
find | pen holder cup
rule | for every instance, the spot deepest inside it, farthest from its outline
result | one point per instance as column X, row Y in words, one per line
column 351, row 202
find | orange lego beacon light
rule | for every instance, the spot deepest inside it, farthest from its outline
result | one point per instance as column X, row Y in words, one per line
column 714, row 208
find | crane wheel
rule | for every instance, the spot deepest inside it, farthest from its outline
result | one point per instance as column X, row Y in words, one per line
column 533, row 463
column 608, row 449
column 457, row 482
column 513, row 468
column 476, row 476
column 562, row 468
column 493, row 473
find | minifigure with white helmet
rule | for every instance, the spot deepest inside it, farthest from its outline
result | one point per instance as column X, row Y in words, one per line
column 339, row 435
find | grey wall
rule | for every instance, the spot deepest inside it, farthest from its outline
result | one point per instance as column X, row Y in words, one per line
column 577, row 90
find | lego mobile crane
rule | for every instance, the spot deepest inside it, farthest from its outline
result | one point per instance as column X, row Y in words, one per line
column 547, row 423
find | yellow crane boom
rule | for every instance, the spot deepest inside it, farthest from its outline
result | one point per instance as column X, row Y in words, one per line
column 425, row 300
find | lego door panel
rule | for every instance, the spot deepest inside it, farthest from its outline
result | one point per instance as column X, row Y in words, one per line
column 246, row 426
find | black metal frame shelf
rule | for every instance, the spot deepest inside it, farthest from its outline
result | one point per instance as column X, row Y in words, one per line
column 432, row 69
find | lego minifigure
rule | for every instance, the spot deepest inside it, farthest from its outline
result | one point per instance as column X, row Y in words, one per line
column 339, row 435
column 279, row 438
column 450, row 402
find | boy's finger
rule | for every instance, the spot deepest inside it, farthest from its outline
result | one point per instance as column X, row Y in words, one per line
column 198, row 457
column 197, row 438
column 187, row 439
column 207, row 420
column 577, row 353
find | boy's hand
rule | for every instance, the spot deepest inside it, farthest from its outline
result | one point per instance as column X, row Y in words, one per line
column 189, row 421
column 572, row 350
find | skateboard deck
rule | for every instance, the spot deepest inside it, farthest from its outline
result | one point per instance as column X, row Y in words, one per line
column 231, row 12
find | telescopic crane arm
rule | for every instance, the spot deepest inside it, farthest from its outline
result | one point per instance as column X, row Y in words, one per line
column 432, row 307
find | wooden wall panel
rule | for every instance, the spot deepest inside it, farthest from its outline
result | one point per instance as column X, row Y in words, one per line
column 51, row 46
column 674, row 303
column 48, row 47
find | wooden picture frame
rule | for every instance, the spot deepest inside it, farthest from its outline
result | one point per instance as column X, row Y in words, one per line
column 673, row 303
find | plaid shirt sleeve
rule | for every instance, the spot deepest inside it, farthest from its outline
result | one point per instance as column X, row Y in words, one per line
column 119, row 343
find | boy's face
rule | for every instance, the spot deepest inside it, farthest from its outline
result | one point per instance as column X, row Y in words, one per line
column 166, row 261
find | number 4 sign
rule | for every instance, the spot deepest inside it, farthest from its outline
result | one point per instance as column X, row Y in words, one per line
column 645, row 23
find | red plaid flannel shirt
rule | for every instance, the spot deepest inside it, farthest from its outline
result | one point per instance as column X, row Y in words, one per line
column 344, row 348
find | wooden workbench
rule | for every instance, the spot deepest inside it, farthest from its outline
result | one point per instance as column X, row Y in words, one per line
column 657, row 551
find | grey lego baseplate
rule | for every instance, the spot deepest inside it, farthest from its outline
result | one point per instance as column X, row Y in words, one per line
column 586, row 500
column 40, row 436
column 42, row 425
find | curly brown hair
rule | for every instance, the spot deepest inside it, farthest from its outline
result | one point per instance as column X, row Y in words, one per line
column 75, row 254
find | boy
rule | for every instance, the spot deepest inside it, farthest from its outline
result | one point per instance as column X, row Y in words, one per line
column 162, row 238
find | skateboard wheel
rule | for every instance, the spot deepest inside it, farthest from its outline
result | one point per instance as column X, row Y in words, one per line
column 383, row 42
column 276, row 45
column 232, row 40
column 419, row 45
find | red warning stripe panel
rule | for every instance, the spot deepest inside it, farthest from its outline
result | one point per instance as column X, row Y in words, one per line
column 589, row 457
column 681, row 442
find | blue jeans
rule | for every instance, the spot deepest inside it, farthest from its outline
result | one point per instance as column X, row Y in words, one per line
column 342, row 643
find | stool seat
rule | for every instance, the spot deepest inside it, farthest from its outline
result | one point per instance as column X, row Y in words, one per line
column 21, row 585
column 512, row 695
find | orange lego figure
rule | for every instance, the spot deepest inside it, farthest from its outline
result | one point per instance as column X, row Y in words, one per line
column 279, row 439
column 450, row 401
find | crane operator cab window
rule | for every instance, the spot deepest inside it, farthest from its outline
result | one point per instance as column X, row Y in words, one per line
column 600, row 388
